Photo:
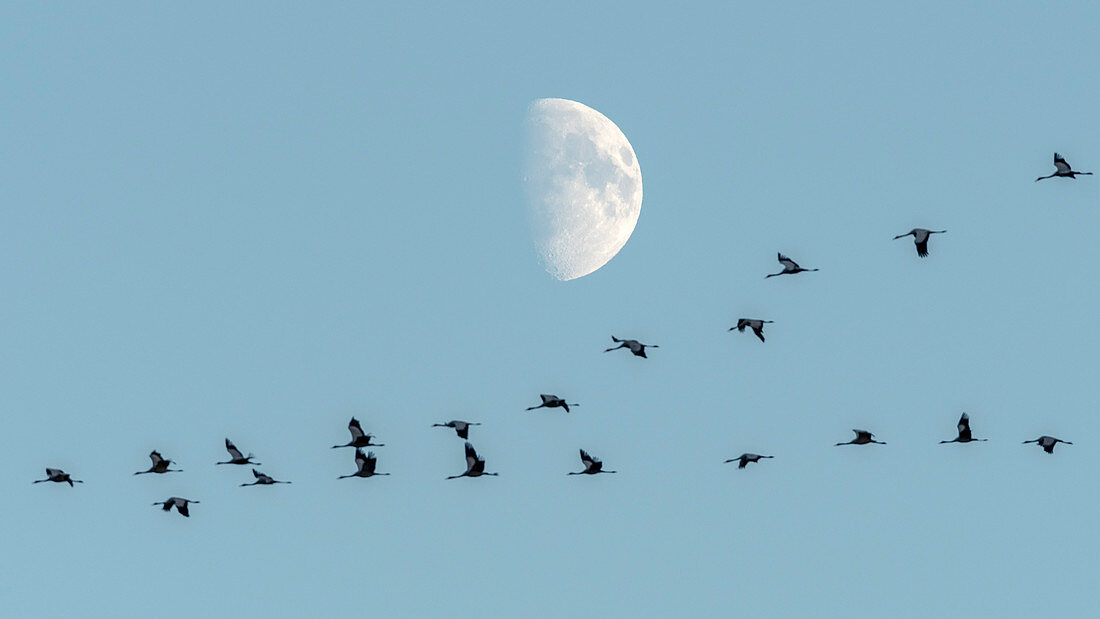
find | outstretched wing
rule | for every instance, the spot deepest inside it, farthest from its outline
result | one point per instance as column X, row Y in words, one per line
column 1061, row 163
column 233, row 451
column 360, row 459
column 586, row 459
column 787, row 262
column 471, row 456
column 547, row 398
column 355, row 429
column 257, row 474
column 368, row 464
column 181, row 507
column 156, row 458
column 964, row 427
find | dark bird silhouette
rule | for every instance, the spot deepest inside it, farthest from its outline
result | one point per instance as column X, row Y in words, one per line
column 1048, row 443
column 744, row 459
column 636, row 348
column 1063, row 169
column 790, row 267
column 235, row 455
column 964, row 432
column 462, row 428
column 58, row 476
column 553, row 401
column 592, row 465
column 179, row 504
column 366, row 463
column 263, row 480
column 358, row 437
column 755, row 324
column 160, row 465
column 920, row 238
column 863, row 437
column 475, row 465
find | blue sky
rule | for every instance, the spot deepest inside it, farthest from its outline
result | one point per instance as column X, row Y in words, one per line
column 257, row 221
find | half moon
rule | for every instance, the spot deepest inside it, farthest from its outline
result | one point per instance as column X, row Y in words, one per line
column 583, row 186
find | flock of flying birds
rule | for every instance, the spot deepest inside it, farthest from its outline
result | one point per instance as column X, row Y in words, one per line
column 366, row 463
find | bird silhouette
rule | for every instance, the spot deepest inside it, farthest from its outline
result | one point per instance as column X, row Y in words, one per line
column 552, row 401
column 863, row 437
column 1048, row 443
column 1063, row 169
column 920, row 238
column 965, row 435
column 58, row 476
column 160, row 465
column 235, row 455
column 636, row 348
column 179, row 504
column 592, row 465
column 755, row 324
column 358, row 437
column 263, row 480
column 365, row 462
column 475, row 465
column 790, row 267
column 461, row 428
column 744, row 459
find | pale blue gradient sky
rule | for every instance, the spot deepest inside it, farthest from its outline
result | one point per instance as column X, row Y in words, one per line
column 256, row 221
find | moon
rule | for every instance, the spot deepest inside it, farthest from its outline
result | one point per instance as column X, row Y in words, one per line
column 583, row 186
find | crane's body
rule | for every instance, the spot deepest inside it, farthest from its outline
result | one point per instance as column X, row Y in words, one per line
column 920, row 239
column 552, row 401
column 179, row 504
column 1048, row 443
column 636, row 348
column 965, row 435
column 160, row 465
column 863, row 437
column 592, row 465
column 475, row 464
column 755, row 324
column 358, row 437
column 745, row 459
column 1063, row 169
column 790, row 267
column 461, row 428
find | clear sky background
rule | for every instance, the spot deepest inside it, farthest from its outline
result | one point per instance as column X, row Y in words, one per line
column 256, row 221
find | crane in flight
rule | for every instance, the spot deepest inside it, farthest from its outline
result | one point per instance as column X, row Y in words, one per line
column 1063, row 169
column 863, row 437
column 636, row 348
column 178, row 503
column 263, row 480
column 755, row 324
column 461, row 428
column 475, row 464
column 1048, row 443
column 744, row 459
column 160, row 465
column 235, row 455
column 965, row 436
column 58, row 477
column 790, row 267
column 552, row 401
column 365, row 463
column 358, row 437
column 920, row 238
column 591, row 464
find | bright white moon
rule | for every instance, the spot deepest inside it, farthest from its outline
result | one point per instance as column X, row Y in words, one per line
column 583, row 184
